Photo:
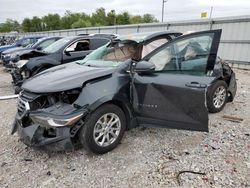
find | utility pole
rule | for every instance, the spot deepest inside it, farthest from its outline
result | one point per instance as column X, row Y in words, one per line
column 211, row 12
column 162, row 12
column 113, row 14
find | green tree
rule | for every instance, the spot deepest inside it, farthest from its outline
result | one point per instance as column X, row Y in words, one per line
column 36, row 24
column 111, row 18
column 149, row 18
column 99, row 17
column 66, row 20
column 75, row 20
column 52, row 22
column 26, row 25
column 123, row 18
column 81, row 23
column 9, row 25
column 136, row 19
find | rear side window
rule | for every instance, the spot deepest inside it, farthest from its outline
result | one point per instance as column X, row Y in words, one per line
column 81, row 45
column 98, row 42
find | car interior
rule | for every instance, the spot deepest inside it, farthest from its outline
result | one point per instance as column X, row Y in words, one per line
column 186, row 55
column 122, row 53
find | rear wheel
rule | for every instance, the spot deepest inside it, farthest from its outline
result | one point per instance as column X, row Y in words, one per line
column 217, row 96
column 104, row 129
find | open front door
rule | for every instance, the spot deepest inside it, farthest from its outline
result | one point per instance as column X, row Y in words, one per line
column 174, row 95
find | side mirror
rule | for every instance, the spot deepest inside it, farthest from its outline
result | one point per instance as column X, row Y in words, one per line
column 68, row 50
column 144, row 67
column 39, row 48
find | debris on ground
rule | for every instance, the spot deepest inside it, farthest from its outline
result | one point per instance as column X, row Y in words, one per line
column 233, row 119
column 148, row 158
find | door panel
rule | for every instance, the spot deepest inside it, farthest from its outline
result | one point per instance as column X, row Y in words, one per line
column 165, row 100
column 174, row 95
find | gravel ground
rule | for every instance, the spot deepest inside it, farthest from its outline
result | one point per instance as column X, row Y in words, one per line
column 146, row 157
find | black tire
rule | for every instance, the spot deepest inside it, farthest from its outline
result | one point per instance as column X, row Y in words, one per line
column 210, row 100
column 86, row 136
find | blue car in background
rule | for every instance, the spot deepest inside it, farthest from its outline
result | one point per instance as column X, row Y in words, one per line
column 22, row 42
column 15, row 54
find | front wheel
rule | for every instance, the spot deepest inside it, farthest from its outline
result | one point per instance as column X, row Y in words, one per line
column 217, row 96
column 104, row 129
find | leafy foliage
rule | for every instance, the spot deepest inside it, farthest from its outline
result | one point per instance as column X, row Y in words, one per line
column 75, row 20
column 9, row 25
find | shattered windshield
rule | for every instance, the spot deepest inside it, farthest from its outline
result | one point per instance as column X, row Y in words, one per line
column 112, row 54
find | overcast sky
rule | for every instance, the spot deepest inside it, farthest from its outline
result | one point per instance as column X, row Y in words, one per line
column 174, row 9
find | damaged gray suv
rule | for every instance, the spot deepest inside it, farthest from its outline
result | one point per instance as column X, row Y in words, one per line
column 158, row 80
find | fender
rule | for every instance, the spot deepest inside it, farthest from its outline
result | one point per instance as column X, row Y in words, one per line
column 40, row 68
column 113, row 89
column 36, row 62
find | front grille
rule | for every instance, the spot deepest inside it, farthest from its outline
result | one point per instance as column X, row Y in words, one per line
column 22, row 107
column 27, row 96
column 24, row 100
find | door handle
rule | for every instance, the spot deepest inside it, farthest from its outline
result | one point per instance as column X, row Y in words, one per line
column 196, row 85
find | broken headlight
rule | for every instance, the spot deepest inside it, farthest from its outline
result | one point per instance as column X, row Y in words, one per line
column 13, row 55
column 25, row 74
column 21, row 63
column 56, row 122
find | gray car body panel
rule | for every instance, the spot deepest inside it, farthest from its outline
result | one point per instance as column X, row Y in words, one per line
column 12, row 50
column 64, row 77
column 43, row 60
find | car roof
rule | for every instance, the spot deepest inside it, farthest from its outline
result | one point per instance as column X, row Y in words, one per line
column 40, row 40
column 29, row 37
column 53, row 37
column 88, row 37
column 146, row 36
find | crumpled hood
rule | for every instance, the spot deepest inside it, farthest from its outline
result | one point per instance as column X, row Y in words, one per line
column 64, row 77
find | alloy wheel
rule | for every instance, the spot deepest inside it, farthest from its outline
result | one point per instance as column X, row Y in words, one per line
column 219, row 97
column 107, row 129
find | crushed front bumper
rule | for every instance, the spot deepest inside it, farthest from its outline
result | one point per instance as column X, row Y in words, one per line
column 16, row 77
column 41, row 132
column 6, row 61
column 36, row 135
